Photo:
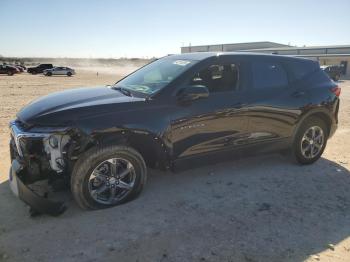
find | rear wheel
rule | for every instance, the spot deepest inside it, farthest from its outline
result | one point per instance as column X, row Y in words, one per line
column 108, row 176
column 336, row 77
column 10, row 73
column 310, row 141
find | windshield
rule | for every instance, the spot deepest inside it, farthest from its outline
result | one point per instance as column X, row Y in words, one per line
column 154, row 76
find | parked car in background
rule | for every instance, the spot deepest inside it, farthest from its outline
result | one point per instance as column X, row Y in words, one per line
column 22, row 66
column 59, row 70
column 21, row 70
column 333, row 71
column 170, row 113
column 8, row 70
column 39, row 69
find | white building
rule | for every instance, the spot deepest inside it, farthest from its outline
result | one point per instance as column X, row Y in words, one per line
column 326, row 55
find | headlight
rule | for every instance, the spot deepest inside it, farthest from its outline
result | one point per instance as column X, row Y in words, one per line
column 18, row 135
column 43, row 132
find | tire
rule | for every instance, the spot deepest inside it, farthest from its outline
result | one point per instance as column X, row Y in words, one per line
column 90, row 161
column 69, row 73
column 336, row 77
column 10, row 73
column 49, row 74
column 302, row 141
column 33, row 73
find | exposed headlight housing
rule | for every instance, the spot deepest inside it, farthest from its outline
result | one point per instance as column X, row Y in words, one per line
column 54, row 140
column 18, row 135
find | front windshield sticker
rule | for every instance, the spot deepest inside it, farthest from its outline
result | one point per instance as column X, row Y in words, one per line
column 181, row 62
column 141, row 88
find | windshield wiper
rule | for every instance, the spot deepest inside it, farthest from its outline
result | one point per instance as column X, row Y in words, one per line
column 123, row 90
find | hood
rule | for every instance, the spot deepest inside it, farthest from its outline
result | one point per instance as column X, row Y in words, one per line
column 73, row 103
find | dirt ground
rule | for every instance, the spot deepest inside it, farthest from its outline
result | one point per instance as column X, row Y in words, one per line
column 255, row 209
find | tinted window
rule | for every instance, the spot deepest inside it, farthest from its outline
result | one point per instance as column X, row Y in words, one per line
column 302, row 68
column 218, row 78
column 269, row 75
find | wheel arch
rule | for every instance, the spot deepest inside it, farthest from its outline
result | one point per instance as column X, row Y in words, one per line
column 322, row 114
column 152, row 148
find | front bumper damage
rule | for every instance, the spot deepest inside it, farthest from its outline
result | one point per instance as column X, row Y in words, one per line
column 29, row 167
column 36, row 202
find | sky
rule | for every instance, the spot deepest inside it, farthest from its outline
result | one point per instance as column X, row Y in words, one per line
column 134, row 28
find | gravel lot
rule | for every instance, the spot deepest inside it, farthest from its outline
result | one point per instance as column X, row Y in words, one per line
column 254, row 209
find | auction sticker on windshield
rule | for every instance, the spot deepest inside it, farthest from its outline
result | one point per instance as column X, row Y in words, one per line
column 181, row 62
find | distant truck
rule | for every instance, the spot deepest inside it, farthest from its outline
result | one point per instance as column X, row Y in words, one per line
column 39, row 69
column 333, row 71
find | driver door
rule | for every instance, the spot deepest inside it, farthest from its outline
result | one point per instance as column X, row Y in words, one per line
column 216, row 123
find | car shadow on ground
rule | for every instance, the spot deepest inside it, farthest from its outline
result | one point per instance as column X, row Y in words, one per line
column 254, row 209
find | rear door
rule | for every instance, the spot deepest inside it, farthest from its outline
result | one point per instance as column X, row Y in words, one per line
column 275, row 102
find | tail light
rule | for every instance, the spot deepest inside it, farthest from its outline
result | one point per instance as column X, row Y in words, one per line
column 336, row 90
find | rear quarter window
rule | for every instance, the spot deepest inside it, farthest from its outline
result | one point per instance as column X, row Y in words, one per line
column 303, row 68
column 269, row 75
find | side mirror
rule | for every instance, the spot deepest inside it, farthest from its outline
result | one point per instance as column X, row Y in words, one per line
column 192, row 93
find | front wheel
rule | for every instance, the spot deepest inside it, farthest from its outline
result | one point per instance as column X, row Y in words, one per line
column 310, row 141
column 108, row 176
column 10, row 73
column 69, row 74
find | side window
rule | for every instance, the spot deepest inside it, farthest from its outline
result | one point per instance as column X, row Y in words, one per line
column 269, row 75
column 218, row 78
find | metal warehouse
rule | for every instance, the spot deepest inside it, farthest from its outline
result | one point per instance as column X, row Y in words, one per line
column 326, row 55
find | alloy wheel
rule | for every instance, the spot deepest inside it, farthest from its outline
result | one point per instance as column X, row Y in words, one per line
column 112, row 181
column 312, row 142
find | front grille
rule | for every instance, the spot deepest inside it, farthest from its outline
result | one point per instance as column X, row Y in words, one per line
column 28, row 149
column 20, row 136
column 32, row 146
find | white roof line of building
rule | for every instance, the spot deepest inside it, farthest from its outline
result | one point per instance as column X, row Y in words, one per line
column 300, row 48
column 259, row 42
column 322, row 55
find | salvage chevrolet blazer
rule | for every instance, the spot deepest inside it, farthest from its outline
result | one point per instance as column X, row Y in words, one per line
column 169, row 113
